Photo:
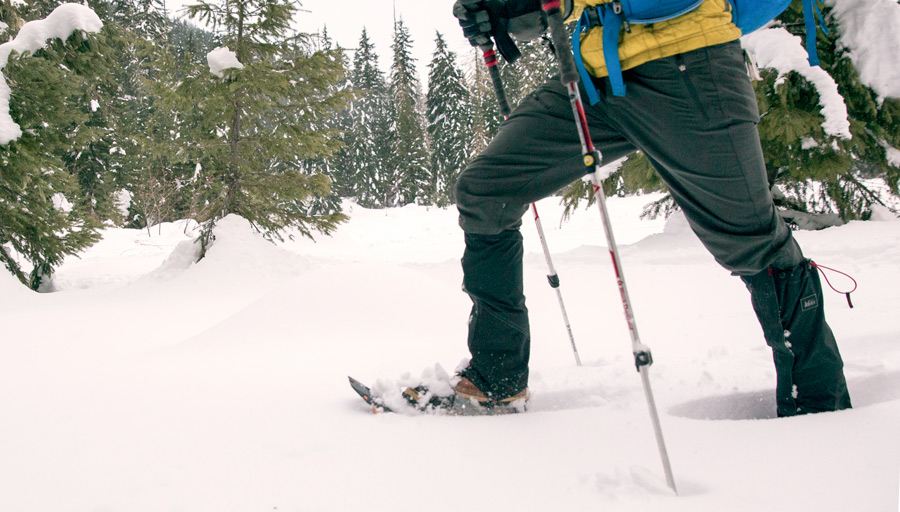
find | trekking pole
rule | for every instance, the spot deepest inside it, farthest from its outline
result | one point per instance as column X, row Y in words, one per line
column 569, row 77
column 490, row 60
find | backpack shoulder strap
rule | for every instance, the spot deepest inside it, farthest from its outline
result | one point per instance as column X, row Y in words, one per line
column 749, row 15
column 810, row 12
column 613, row 17
column 612, row 21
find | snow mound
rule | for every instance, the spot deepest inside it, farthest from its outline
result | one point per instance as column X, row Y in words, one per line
column 239, row 246
column 238, row 252
column 203, row 391
column 182, row 257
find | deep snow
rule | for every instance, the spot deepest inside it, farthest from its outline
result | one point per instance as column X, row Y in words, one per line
column 148, row 383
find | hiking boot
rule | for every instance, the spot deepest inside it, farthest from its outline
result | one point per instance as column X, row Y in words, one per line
column 468, row 390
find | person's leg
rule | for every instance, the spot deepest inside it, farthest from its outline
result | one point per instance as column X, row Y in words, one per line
column 535, row 153
column 808, row 364
column 499, row 338
column 694, row 116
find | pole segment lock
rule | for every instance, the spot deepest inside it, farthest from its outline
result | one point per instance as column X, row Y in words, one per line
column 592, row 159
column 553, row 279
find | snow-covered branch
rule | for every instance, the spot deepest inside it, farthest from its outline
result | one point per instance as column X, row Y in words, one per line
column 778, row 49
column 61, row 23
column 870, row 30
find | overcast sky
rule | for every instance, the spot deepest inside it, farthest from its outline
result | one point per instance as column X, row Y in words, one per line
column 346, row 19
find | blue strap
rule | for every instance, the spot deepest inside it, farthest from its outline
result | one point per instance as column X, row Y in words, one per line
column 810, row 11
column 592, row 94
column 810, row 19
column 821, row 18
column 612, row 25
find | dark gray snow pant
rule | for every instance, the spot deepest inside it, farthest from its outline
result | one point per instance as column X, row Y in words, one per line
column 693, row 116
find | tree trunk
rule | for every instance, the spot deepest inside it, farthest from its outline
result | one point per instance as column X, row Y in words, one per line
column 234, row 186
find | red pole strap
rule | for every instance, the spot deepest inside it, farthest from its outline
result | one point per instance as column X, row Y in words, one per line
column 820, row 268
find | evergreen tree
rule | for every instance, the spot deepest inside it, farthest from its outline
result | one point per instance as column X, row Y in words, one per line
column 449, row 123
column 367, row 155
column 41, row 220
column 164, row 179
column 189, row 43
column 15, row 13
column 339, row 124
column 120, row 103
column 254, row 125
column 819, row 178
column 407, row 178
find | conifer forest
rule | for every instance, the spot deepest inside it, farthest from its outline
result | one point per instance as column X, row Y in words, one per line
column 130, row 127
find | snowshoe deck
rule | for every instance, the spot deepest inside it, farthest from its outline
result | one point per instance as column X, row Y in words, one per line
column 366, row 395
column 419, row 399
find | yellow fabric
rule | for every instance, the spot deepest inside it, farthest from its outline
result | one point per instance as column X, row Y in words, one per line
column 707, row 25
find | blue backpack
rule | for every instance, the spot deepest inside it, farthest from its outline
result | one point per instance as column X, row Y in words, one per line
column 748, row 15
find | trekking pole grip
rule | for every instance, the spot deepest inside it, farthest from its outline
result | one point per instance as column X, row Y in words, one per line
column 567, row 69
column 490, row 60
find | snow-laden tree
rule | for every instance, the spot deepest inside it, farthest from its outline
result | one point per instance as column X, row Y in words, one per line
column 133, row 34
column 160, row 176
column 365, row 160
column 829, row 134
column 40, row 219
column 535, row 65
column 449, row 123
column 256, row 113
column 410, row 162
column 339, row 125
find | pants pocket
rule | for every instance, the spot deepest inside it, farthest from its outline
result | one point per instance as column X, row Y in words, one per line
column 685, row 73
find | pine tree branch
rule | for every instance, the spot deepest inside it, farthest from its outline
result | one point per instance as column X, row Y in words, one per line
column 871, row 196
column 13, row 267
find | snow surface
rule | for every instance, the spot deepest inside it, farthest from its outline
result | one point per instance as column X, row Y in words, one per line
column 221, row 59
column 61, row 23
column 150, row 383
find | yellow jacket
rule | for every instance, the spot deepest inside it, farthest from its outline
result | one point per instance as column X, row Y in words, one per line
column 707, row 25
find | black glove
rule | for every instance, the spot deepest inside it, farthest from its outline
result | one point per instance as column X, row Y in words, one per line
column 484, row 20
column 478, row 19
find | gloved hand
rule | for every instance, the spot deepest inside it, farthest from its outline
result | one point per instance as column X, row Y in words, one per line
column 478, row 19
column 484, row 20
